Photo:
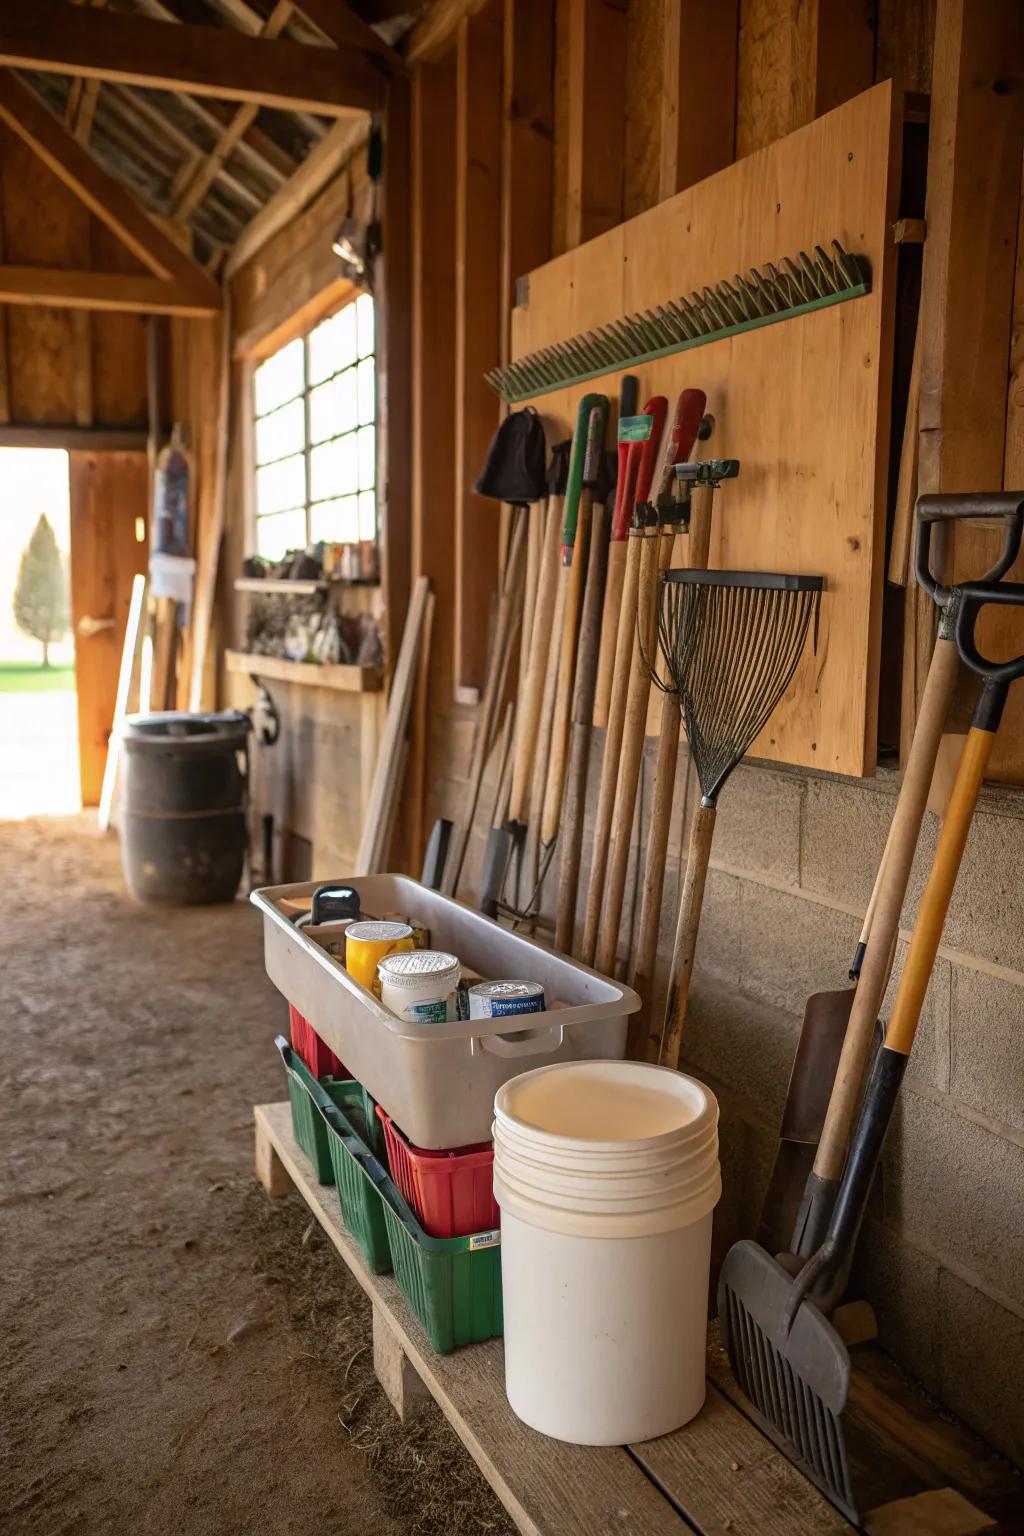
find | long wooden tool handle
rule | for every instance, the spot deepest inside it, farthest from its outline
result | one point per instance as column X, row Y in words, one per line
column 646, row 950
column 528, row 714
column 931, row 917
column 691, row 901
column 609, row 629
column 612, row 744
column 509, row 612
column 574, row 578
column 631, row 754
column 579, row 742
column 541, row 761
column 898, row 859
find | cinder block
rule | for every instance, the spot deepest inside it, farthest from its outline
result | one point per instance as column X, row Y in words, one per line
column 987, row 1044
column 744, row 1043
column 843, row 833
column 902, row 1284
column 929, row 1060
column 758, row 823
column 791, row 947
column 954, row 1188
column 982, row 1364
column 732, row 1153
column 720, row 939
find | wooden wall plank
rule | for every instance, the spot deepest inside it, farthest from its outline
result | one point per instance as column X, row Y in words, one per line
column 904, row 42
column 477, row 327
column 595, row 118
column 798, row 59
column 109, row 492
column 526, row 144
column 118, row 345
column 646, row 22
column 698, row 105
column 976, row 140
column 560, row 151
column 393, row 286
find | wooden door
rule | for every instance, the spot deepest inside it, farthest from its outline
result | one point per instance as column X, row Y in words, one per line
column 109, row 546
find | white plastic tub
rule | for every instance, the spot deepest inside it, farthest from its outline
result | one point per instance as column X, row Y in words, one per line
column 607, row 1175
column 438, row 1081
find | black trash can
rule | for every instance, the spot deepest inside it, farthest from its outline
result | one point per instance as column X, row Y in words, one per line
column 183, row 806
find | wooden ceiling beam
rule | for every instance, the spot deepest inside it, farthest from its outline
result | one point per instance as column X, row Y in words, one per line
column 341, row 26
column 54, row 36
column 62, row 288
column 60, row 152
column 431, row 38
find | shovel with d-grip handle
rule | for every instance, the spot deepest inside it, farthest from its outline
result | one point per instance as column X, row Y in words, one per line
column 839, row 1027
column 640, row 473
column 787, row 1357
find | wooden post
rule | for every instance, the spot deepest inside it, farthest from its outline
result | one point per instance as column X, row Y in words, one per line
column 477, row 330
column 270, row 1170
column 527, row 135
column 393, row 284
column 596, row 118
column 976, row 137
column 402, row 1386
column 698, row 91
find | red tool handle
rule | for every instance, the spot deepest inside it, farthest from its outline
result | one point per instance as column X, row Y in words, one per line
column 629, row 461
column 686, row 420
column 657, row 408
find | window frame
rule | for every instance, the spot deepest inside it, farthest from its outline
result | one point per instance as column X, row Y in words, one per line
column 310, row 504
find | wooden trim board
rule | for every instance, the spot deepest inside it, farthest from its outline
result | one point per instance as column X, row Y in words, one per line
column 311, row 674
column 715, row 1475
column 803, row 405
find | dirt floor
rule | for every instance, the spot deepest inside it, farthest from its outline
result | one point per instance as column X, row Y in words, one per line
column 177, row 1354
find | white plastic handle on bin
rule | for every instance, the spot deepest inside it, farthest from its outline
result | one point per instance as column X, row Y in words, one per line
column 501, row 1045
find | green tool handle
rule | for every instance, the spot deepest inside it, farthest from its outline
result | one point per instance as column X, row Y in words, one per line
column 574, row 486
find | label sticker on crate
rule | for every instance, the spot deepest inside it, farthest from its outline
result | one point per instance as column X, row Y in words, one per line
column 484, row 1240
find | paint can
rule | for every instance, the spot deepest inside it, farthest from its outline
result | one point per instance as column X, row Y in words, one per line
column 367, row 944
column 421, row 987
column 502, row 999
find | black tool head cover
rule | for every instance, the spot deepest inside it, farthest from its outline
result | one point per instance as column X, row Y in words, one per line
column 514, row 468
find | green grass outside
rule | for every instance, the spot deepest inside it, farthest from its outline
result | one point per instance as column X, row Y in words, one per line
column 33, row 677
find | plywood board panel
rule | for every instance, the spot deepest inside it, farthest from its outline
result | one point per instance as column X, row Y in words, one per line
column 804, row 405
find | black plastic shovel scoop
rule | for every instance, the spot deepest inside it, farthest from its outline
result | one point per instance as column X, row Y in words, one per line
column 786, row 1355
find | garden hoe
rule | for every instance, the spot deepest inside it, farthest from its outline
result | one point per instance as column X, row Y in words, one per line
column 786, row 1355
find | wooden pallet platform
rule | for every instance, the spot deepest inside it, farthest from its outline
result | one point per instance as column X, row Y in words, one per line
column 718, row 1476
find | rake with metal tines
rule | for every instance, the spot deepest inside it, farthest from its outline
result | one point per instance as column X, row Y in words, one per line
column 763, row 297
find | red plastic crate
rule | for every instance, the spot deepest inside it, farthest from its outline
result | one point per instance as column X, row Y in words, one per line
column 451, row 1192
column 319, row 1058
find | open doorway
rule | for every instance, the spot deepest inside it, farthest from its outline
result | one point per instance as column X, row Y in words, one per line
column 39, row 763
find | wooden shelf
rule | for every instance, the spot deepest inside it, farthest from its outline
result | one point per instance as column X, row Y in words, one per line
column 280, row 586
column 311, row 674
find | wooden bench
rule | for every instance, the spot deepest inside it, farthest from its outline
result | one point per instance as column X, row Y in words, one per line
column 719, row 1475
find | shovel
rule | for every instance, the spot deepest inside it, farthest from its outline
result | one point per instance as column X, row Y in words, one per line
column 786, row 1355
column 839, row 1028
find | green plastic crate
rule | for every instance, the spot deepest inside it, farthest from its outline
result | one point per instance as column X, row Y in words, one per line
column 453, row 1284
column 362, row 1206
column 308, row 1125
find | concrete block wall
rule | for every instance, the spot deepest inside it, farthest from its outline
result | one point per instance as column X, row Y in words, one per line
column 794, row 860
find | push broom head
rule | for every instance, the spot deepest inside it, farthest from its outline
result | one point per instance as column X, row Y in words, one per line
column 731, row 641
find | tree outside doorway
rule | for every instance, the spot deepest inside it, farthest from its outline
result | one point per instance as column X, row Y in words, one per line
column 39, row 773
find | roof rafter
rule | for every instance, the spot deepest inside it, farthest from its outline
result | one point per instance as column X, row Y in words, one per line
column 24, row 113
column 62, row 288
column 52, row 35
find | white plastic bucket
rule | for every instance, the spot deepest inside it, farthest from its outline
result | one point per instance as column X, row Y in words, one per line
column 607, row 1175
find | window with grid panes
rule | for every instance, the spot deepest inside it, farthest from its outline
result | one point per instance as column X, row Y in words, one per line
column 315, row 410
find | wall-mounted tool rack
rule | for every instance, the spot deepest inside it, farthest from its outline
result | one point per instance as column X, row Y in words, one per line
column 803, row 402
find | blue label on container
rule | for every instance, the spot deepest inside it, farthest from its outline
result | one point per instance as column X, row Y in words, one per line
column 502, row 1007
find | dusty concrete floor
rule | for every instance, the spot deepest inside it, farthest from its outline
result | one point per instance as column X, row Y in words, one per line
column 177, row 1355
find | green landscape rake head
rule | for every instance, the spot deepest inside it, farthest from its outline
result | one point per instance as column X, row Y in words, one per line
column 763, row 297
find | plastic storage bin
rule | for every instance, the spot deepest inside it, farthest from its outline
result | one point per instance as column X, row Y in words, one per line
column 319, row 1058
column 308, row 1124
column 450, row 1192
column 438, row 1082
